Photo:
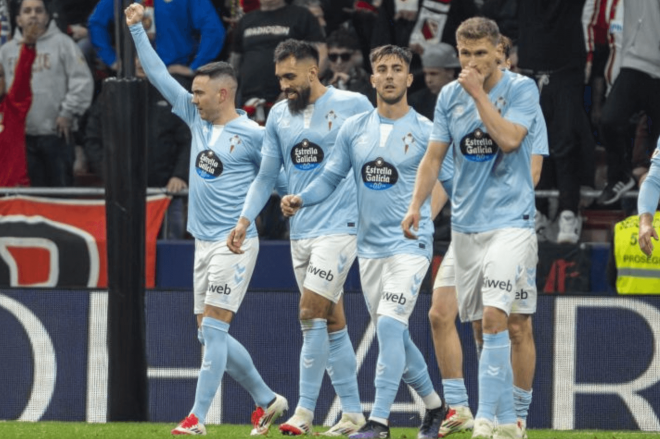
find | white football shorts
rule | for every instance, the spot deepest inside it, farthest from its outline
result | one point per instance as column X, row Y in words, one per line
column 495, row 268
column 321, row 264
column 221, row 277
column 391, row 285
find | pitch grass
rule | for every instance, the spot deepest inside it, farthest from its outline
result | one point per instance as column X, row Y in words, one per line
column 65, row 430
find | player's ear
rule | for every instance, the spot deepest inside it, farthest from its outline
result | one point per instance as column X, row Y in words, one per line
column 409, row 81
column 373, row 81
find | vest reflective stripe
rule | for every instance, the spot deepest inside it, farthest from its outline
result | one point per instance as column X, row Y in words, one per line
column 636, row 273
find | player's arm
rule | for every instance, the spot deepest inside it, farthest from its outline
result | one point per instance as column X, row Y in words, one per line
column 647, row 203
column 151, row 63
column 339, row 163
column 257, row 197
column 507, row 134
column 427, row 177
column 439, row 198
column 537, row 166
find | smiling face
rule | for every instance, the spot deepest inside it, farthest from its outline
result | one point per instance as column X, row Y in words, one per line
column 479, row 54
column 294, row 77
column 391, row 78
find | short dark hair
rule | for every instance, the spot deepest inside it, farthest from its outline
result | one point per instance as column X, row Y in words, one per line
column 216, row 69
column 476, row 28
column 343, row 38
column 296, row 48
column 403, row 53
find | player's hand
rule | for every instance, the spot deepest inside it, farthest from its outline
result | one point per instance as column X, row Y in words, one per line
column 237, row 235
column 471, row 80
column 31, row 32
column 646, row 232
column 134, row 14
column 63, row 127
column 290, row 204
column 410, row 220
column 175, row 184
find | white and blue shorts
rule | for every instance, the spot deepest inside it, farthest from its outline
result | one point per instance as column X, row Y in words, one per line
column 321, row 264
column 221, row 277
column 495, row 268
column 391, row 285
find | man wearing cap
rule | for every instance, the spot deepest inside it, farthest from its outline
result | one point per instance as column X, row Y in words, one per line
column 439, row 63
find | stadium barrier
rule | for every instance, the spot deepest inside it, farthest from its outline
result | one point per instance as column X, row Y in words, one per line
column 597, row 367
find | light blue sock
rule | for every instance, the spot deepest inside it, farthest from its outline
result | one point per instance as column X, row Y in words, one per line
column 241, row 368
column 455, row 392
column 342, row 368
column 213, row 365
column 390, row 365
column 313, row 360
column 522, row 399
column 416, row 373
column 496, row 380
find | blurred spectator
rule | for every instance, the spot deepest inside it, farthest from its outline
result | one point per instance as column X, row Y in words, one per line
column 420, row 23
column 345, row 70
column 314, row 7
column 14, row 107
column 5, row 22
column 256, row 36
column 637, row 88
column 551, row 51
column 439, row 63
column 188, row 34
column 168, row 150
column 62, row 89
column 71, row 17
column 505, row 14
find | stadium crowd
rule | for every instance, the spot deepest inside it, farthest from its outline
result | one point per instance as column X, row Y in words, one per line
column 574, row 50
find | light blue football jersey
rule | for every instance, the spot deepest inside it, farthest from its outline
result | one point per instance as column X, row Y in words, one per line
column 647, row 201
column 538, row 132
column 385, row 179
column 220, row 171
column 304, row 153
column 491, row 190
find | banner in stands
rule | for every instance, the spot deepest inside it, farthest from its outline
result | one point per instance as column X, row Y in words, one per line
column 46, row 242
column 597, row 359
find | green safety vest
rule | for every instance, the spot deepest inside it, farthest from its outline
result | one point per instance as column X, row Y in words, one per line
column 636, row 272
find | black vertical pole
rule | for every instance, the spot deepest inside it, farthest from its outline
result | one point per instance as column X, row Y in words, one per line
column 124, row 137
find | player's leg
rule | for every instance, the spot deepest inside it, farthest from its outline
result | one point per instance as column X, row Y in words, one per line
column 448, row 351
column 500, row 276
column 391, row 287
column 523, row 350
column 342, row 370
column 320, row 270
column 219, row 289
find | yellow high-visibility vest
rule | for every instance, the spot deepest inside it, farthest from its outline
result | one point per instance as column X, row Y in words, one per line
column 636, row 272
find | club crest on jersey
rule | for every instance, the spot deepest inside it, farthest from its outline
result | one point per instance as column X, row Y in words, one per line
column 306, row 155
column 379, row 175
column 234, row 142
column 500, row 103
column 408, row 140
column 331, row 116
column 478, row 146
column 208, row 165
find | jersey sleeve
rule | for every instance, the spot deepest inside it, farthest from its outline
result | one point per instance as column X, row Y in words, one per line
column 540, row 135
column 649, row 194
column 339, row 163
column 524, row 104
column 440, row 131
column 271, row 145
